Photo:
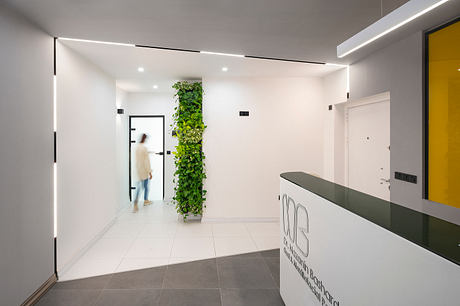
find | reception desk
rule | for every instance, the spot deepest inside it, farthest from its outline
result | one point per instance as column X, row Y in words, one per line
column 343, row 247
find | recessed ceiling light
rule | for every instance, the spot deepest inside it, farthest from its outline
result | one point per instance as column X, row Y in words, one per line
column 155, row 86
column 458, row 69
column 140, row 69
column 224, row 69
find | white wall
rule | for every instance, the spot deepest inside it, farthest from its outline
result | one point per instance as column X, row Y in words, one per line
column 335, row 91
column 158, row 104
column 122, row 151
column 26, row 158
column 87, row 184
column 245, row 155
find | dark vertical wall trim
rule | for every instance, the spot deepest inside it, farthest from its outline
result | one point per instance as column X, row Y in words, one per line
column 55, row 257
column 425, row 118
column 55, row 147
column 164, row 154
column 55, row 40
column 129, row 161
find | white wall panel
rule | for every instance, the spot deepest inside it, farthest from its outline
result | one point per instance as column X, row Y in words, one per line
column 245, row 155
column 88, row 193
column 26, row 158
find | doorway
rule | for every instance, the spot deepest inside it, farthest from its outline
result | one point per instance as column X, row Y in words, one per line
column 368, row 146
column 153, row 127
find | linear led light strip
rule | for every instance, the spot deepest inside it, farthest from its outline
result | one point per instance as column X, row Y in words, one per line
column 348, row 74
column 212, row 53
column 396, row 19
column 224, row 54
column 97, row 42
column 192, row 51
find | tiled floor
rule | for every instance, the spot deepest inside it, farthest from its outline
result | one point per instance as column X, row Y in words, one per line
column 241, row 280
column 154, row 237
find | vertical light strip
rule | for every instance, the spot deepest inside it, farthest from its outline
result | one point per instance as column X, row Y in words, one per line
column 54, row 165
column 348, row 76
column 348, row 81
column 55, row 200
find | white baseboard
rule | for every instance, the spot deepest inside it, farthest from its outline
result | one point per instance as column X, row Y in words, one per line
column 240, row 220
column 83, row 250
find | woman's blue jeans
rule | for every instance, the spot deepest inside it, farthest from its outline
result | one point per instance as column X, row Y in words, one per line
column 144, row 184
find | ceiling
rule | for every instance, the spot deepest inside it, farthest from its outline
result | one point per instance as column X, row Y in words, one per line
column 163, row 67
column 294, row 29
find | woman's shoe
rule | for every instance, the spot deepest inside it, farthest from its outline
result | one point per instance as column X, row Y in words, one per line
column 147, row 202
column 136, row 208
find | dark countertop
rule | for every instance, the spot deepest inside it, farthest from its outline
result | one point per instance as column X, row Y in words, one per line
column 436, row 235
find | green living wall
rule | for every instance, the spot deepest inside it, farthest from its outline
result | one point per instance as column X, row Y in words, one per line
column 189, row 158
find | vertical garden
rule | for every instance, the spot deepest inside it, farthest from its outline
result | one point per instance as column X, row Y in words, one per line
column 189, row 158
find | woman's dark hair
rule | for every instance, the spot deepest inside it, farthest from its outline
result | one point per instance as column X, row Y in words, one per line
column 143, row 138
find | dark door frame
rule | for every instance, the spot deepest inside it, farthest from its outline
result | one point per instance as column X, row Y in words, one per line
column 130, row 187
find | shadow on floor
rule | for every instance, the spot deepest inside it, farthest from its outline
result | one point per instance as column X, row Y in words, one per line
column 248, row 279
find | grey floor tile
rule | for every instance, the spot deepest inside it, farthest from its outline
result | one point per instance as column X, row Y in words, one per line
column 273, row 264
column 197, row 274
column 271, row 253
column 131, row 297
column 242, row 256
column 249, row 273
column 190, row 297
column 97, row 282
column 69, row 297
column 251, row 297
column 140, row 279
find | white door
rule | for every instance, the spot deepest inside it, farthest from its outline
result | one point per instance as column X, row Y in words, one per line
column 153, row 127
column 369, row 149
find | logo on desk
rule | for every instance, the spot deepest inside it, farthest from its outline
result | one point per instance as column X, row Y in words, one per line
column 296, row 224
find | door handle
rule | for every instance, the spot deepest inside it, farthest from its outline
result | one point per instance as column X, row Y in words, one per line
column 159, row 153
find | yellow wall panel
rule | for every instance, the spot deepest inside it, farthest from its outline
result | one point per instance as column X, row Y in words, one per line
column 444, row 115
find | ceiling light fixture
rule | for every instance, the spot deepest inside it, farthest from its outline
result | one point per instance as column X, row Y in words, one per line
column 97, row 42
column 224, row 54
column 224, row 69
column 397, row 18
column 155, row 86
column 140, row 69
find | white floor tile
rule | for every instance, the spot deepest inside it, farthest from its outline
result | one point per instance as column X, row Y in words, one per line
column 263, row 229
column 130, row 264
column 90, row 267
column 123, row 230
column 267, row 242
column 193, row 247
column 155, row 236
column 226, row 246
column 150, row 247
column 194, row 229
column 108, row 248
column 230, row 230
column 153, row 230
